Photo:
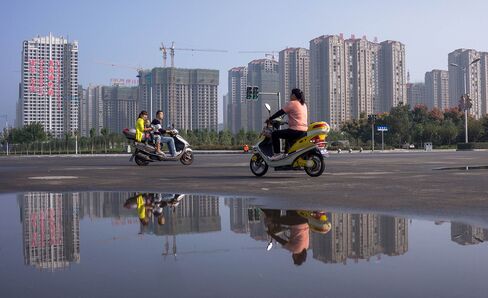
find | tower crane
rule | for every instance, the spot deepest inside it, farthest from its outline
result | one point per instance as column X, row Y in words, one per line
column 172, row 49
column 270, row 54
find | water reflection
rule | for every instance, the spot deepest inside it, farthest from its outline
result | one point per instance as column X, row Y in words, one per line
column 51, row 226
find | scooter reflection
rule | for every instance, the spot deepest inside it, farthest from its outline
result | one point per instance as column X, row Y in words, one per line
column 292, row 230
column 152, row 204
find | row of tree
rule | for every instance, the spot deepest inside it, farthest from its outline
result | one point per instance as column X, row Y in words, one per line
column 417, row 126
column 405, row 126
column 32, row 139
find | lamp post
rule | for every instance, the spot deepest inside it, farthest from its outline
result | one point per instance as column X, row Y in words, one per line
column 465, row 96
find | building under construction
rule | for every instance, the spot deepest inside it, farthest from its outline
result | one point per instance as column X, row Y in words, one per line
column 188, row 97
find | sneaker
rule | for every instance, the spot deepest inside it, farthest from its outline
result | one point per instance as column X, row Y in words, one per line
column 277, row 156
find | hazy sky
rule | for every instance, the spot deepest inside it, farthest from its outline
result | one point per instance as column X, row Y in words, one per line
column 129, row 32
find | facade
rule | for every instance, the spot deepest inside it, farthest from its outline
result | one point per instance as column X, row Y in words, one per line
column 120, row 107
column 484, row 82
column 264, row 74
column 392, row 76
column 91, row 110
column 50, row 229
column 327, row 80
column 237, row 102
column 360, row 237
column 463, row 58
column 188, row 97
column 464, row 234
column 49, row 84
column 294, row 72
column 416, row 94
column 225, row 104
column 362, row 73
column 437, row 89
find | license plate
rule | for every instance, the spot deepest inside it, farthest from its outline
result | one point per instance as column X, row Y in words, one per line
column 324, row 152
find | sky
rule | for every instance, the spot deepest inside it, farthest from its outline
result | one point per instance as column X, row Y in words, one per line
column 130, row 32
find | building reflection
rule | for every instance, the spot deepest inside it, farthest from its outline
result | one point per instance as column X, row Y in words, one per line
column 353, row 236
column 467, row 234
column 51, row 229
column 194, row 214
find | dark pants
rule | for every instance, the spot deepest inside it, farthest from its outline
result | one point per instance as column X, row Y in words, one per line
column 287, row 134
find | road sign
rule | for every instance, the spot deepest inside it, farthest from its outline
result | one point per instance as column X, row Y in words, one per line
column 382, row 128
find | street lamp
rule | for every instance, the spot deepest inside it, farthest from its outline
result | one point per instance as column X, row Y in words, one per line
column 465, row 95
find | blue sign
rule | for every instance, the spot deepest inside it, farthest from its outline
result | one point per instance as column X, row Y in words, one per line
column 382, row 128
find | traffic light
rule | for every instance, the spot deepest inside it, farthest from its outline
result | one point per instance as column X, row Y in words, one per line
column 465, row 103
column 255, row 92
column 372, row 118
column 248, row 92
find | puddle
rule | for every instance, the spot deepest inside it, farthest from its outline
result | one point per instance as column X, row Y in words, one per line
column 176, row 245
column 465, row 168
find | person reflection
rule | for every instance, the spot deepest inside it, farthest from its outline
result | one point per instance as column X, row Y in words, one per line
column 292, row 230
column 151, row 205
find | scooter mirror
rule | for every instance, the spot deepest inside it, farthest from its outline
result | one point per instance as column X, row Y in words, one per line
column 268, row 107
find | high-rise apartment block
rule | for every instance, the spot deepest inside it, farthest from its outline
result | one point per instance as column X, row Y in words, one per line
column 484, row 82
column 361, row 75
column 437, row 89
column 416, row 94
column 188, row 97
column 392, row 76
column 327, row 80
column 110, row 107
column 49, row 84
column 294, row 72
column 264, row 74
column 91, row 110
column 352, row 76
column 465, row 77
column 236, row 101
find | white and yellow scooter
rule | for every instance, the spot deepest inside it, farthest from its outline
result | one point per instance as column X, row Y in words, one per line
column 306, row 153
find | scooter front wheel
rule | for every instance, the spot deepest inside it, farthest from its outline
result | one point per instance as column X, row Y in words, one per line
column 187, row 158
column 318, row 166
column 258, row 166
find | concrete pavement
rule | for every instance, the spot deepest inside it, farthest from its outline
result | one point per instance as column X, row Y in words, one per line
column 393, row 182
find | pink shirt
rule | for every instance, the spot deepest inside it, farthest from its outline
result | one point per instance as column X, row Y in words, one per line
column 299, row 238
column 297, row 115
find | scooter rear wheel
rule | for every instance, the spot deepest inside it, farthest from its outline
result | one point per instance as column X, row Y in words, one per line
column 318, row 165
column 141, row 161
column 257, row 165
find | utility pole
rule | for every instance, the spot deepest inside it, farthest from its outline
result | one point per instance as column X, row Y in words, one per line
column 465, row 100
column 6, row 129
column 372, row 119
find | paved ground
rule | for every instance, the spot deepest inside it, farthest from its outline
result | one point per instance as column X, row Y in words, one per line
column 392, row 182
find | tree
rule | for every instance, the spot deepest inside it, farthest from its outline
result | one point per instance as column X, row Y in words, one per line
column 225, row 137
column 29, row 133
column 420, row 114
column 104, row 133
column 448, row 132
column 399, row 121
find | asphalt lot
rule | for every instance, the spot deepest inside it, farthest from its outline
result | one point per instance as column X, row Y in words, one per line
column 384, row 182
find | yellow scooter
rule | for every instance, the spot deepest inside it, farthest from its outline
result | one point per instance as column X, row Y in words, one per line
column 306, row 153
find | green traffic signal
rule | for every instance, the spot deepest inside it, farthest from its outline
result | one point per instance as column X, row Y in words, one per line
column 248, row 92
column 255, row 92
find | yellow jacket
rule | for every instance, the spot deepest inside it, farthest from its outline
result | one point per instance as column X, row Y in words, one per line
column 139, row 129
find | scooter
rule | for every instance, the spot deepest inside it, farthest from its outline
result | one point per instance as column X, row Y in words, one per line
column 306, row 153
column 145, row 152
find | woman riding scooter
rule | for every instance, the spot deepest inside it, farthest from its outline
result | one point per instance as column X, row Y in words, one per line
column 296, row 109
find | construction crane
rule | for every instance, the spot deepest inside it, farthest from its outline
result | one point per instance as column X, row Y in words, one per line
column 120, row 65
column 172, row 49
column 270, row 54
